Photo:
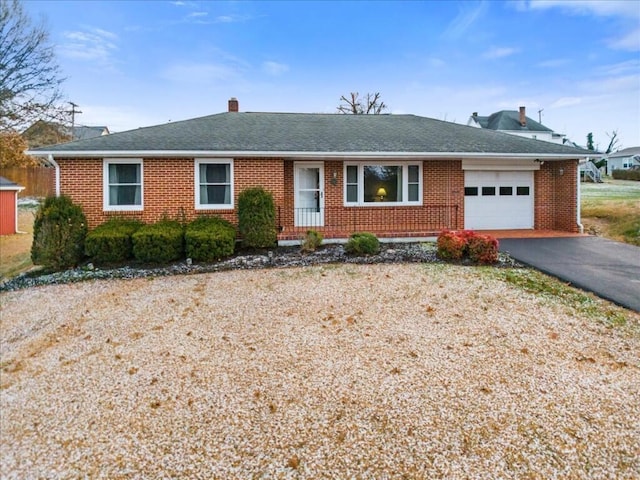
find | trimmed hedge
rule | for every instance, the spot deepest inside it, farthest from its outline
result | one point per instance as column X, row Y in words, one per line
column 111, row 242
column 362, row 243
column 257, row 218
column 159, row 242
column 209, row 238
column 59, row 232
column 626, row 174
column 467, row 244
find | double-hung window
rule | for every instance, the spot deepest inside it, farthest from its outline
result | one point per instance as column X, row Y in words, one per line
column 383, row 183
column 214, row 184
column 122, row 184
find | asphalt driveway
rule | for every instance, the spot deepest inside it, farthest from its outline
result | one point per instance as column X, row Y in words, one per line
column 609, row 269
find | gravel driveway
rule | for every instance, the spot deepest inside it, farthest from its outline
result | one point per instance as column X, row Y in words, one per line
column 349, row 371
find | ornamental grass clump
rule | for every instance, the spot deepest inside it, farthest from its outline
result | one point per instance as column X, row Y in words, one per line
column 362, row 243
column 311, row 241
column 59, row 232
column 112, row 242
column 209, row 238
column 467, row 244
column 159, row 242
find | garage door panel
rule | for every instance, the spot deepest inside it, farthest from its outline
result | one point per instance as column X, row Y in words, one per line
column 498, row 200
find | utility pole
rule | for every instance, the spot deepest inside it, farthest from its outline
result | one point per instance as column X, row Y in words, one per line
column 540, row 115
column 73, row 117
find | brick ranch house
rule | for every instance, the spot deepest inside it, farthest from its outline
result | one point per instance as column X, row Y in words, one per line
column 398, row 176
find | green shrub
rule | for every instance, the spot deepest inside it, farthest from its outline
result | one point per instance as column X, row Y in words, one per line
column 159, row 242
column 111, row 241
column 257, row 218
column 362, row 243
column 59, row 232
column 467, row 244
column 311, row 241
column 209, row 238
column 626, row 174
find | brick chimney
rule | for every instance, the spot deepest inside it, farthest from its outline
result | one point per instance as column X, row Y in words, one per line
column 523, row 117
column 233, row 104
column 475, row 114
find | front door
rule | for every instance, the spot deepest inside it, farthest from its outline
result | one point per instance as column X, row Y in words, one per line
column 308, row 184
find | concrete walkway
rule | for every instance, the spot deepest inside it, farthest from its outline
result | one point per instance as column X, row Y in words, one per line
column 609, row 269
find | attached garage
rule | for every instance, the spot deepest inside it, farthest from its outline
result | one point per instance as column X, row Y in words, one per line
column 499, row 199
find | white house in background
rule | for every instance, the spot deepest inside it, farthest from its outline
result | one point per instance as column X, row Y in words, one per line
column 623, row 159
column 516, row 123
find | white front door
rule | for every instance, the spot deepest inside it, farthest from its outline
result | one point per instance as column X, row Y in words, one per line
column 308, row 184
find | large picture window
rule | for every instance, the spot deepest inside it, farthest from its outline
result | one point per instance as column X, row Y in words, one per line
column 214, row 184
column 387, row 183
column 123, row 184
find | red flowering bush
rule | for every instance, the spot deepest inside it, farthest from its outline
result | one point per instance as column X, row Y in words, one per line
column 467, row 244
column 451, row 245
column 482, row 249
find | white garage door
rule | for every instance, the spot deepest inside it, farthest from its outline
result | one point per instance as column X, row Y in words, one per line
column 498, row 200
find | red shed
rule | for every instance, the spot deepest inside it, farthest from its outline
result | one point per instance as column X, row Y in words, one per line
column 9, row 206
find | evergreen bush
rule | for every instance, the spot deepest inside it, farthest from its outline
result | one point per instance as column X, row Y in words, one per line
column 59, row 232
column 362, row 243
column 209, row 238
column 160, row 242
column 257, row 218
column 111, row 242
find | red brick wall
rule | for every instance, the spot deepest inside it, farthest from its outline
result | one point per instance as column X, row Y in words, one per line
column 556, row 196
column 443, row 204
column 169, row 187
column 169, row 191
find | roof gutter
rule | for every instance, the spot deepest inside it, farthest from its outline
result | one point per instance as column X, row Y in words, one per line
column 299, row 154
column 55, row 165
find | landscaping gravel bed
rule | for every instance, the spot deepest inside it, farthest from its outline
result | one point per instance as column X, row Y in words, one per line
column 276, row 258
column 386, row 371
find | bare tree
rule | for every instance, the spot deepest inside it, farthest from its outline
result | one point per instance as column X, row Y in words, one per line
column 371, row 104
column 29, row 76
column 613, row 141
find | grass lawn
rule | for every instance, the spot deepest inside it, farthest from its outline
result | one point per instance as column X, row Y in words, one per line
column 15, row 250
column 612, row 209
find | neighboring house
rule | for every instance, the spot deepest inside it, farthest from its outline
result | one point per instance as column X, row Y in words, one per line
column 9, row 206
column 397, row 176
column 43, row 133
column 516, row 123
column 623, row 159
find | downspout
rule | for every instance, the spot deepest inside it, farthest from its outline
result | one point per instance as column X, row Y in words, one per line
column 57, row 173
column 578, row 199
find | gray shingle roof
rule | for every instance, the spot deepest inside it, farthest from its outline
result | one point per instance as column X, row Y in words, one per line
column 7, row 184
column 510, row 120
column 313, row 133
column 627, row 152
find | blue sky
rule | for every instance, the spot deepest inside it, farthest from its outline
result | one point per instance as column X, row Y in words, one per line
column 130, row 64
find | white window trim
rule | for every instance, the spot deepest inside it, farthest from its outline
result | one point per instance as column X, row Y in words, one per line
column 212, row 206
column 405, row 183
column 105, row 185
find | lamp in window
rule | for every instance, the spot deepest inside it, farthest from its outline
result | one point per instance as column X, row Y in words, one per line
column 381, row 193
